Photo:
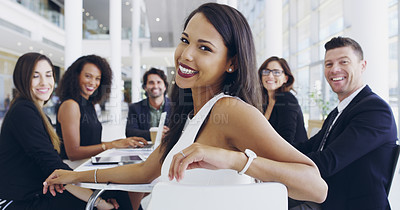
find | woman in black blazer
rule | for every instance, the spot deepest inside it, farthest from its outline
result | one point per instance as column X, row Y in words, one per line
column 281, row 107
column 29, row 145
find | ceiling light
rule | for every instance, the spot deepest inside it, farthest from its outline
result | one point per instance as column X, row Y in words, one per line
column 50, row 54
column 41, row 51
column 83, row 9
column 30, row 48
column 159, row 39
column 19, row 43
column 87, row 14
column 127, row 3
column 158, row 19
column 131, row 9
column 104, row 28
column 173, row 82
column 101, row 25
column 172, row 72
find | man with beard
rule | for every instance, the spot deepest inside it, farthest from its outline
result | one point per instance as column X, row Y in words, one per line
column 146, row 113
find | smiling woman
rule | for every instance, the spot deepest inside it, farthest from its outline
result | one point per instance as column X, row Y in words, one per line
column 216, row 80
column 280, row 106
column 86, row 82
column 42, row 81
column 28, row 143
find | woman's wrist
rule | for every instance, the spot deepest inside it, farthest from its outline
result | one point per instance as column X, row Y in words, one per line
column 109, row 145
column 240, row 160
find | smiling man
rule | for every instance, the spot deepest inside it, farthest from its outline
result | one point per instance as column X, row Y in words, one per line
column 146, row 113
column 354, row 149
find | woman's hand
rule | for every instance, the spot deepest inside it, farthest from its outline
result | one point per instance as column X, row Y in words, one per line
column 56, row 180
column 202, row 156
column 109, row 204
column 129, row 142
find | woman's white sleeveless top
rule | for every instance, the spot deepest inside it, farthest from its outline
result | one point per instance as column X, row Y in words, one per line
column 201, row 176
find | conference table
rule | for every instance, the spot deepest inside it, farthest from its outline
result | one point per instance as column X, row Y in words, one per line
column 99, row 188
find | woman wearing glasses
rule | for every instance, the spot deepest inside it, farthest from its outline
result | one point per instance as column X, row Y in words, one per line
column 280, row 106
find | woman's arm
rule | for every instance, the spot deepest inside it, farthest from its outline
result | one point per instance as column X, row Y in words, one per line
column 69, row 118
column 248, row 129
column 141, row 173
column 84, row 194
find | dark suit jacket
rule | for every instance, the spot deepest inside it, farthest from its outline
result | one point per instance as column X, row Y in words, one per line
column 357, row 159
column 27, row 156
column 138, row 122
column 287, row 118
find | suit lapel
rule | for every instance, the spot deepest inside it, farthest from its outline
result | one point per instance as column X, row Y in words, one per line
column 366, row 91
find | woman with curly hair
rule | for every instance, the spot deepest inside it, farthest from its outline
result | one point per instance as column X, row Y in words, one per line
column 86, row 82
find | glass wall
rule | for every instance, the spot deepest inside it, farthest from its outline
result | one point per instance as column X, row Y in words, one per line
column 307, row 26
column 47, row 9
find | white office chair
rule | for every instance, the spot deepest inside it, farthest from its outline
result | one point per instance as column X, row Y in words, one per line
column 173, row 196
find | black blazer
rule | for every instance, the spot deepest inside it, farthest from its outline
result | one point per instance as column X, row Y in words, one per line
column 357, row 159
column 287, row 118
column 27, row 156
column 138, row 122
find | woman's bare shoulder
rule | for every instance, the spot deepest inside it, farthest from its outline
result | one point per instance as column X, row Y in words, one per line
column 69, row 104
column 68, row 109
column 233, row 105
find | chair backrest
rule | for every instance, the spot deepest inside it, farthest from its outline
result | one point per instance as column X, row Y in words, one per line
column 395, row 161
column 257, row 196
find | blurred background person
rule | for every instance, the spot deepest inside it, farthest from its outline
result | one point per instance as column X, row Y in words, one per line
column 146, row 113
column 86, row 82
column 280, row 106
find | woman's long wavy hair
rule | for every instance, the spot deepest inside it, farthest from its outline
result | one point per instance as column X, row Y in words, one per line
column 242, row 82
column 69, row 85
column 22, row 77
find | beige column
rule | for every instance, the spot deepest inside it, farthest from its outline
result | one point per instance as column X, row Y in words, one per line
column 136, row 55
column 273, row 28
column 73, row 31
column 367, row 23
column 115, row 38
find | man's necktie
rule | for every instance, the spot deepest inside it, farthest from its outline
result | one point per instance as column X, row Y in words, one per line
column 330, row 121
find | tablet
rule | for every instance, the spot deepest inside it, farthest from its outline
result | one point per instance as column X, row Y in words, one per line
column 117, row 159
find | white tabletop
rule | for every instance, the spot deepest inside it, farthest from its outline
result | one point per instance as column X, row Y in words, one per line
column 111, row 186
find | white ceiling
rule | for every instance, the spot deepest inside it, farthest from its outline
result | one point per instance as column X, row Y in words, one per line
column 170, row 12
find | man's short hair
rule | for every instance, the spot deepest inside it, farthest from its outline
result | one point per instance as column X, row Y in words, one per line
column 339, row 41
column 160, row 73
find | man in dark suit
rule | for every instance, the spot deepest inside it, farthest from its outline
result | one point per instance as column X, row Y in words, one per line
column 146, row 113
column 355, row 147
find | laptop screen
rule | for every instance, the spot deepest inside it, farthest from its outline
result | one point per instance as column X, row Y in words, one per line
column 160, row 129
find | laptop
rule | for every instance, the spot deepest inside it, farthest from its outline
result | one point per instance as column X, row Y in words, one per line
column 160, row 129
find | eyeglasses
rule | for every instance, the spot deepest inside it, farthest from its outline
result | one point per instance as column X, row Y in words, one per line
column 275, row 72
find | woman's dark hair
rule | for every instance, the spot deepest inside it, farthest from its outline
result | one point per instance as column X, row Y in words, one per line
column 22, row 77
column 69, row 85
column 158, row 72
column 286, row 87
column 242, row 82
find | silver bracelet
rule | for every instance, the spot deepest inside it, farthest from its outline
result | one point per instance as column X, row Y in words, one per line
column 95, row 175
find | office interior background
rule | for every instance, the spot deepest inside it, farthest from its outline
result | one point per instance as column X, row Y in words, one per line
column 293, row 29
column 135, row 35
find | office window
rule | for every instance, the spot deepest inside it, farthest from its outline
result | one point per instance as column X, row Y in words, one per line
column 393, row 21
column 331, row 19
